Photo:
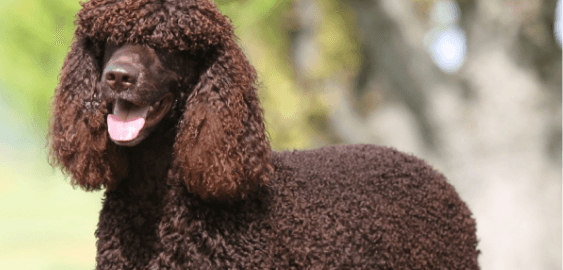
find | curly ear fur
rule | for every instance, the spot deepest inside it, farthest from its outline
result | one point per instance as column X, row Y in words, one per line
column 221, row 148
column 78, row 136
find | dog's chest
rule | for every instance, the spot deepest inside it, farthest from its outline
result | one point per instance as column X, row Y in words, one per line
column 178, row 231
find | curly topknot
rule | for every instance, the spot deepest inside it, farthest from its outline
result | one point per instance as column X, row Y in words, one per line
column 194, row 25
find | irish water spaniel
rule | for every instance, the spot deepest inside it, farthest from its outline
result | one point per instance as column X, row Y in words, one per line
column 158, row 105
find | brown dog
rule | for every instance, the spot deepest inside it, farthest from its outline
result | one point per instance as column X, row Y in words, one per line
column 158, row 105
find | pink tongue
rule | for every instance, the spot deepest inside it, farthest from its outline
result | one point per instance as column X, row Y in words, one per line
column 123, row 130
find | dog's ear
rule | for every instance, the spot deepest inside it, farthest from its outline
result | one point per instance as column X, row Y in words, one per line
column 78, row 134
column 221, row 150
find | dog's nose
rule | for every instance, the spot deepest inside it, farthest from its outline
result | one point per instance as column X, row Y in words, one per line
column 120, row 76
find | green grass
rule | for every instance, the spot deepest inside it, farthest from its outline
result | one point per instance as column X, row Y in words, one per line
column 44, row 223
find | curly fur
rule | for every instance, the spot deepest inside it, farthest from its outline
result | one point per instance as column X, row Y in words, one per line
column 205, row 191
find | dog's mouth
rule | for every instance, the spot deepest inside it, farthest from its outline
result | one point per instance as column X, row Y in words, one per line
column 128, row 122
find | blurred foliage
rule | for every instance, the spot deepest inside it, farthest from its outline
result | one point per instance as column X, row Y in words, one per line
column 260, row 27
column 296, row 105
column 34, row 38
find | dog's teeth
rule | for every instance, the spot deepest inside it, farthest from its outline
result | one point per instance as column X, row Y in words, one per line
column 151, row 109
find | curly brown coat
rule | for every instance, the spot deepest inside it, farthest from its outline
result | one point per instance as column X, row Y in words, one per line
column 201, row 189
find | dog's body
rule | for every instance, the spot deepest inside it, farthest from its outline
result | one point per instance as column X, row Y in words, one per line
column 342, row 207
column 158, row 105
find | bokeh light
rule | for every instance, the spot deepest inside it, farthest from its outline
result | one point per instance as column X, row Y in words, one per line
column 557, row 24
column 446, row 43
column 448, row 50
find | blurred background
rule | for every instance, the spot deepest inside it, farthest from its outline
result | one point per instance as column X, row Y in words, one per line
column 471, row 86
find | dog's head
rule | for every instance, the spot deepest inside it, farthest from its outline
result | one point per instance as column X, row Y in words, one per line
column 137, row 67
